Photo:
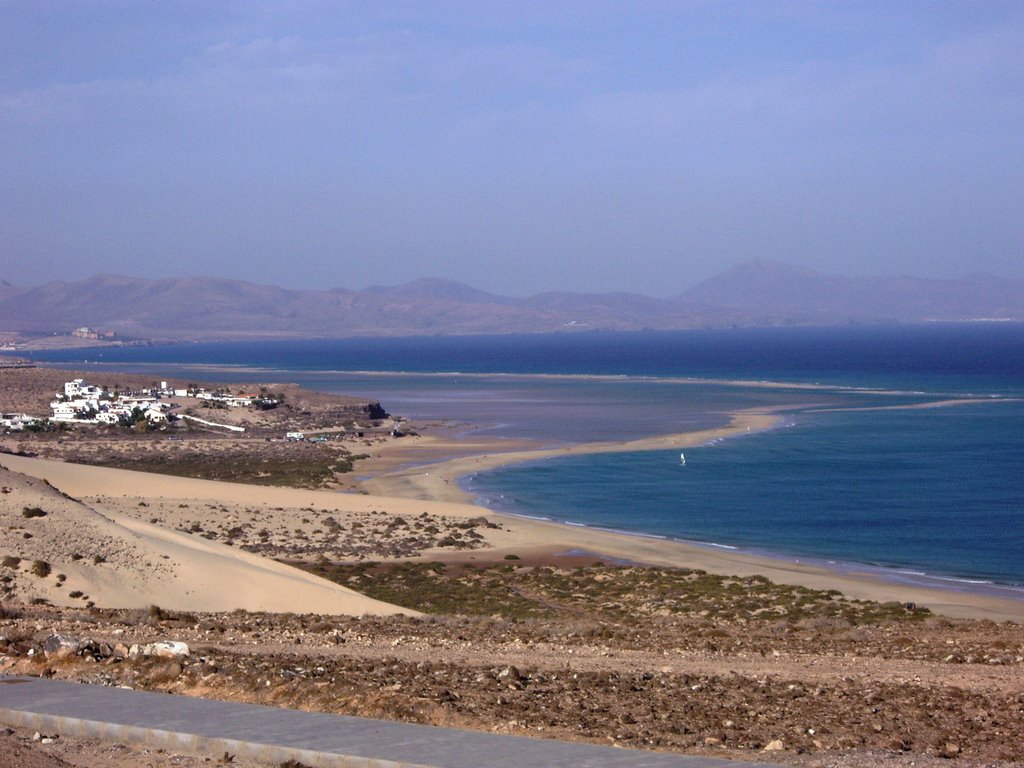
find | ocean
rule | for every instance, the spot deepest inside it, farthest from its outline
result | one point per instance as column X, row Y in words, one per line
column 852, row 477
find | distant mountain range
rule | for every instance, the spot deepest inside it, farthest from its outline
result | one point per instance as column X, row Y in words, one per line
column 755, row 293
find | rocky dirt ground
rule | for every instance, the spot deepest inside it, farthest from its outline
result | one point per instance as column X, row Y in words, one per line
column 198, row 453
column 639, row 657
column 26, row 749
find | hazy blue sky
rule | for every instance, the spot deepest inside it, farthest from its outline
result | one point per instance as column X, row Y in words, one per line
column 517, row 146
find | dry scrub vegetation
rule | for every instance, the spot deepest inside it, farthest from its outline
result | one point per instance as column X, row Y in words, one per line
column 641, row 657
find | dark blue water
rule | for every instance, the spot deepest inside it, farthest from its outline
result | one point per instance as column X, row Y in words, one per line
column 934, row 490
column 885, row 356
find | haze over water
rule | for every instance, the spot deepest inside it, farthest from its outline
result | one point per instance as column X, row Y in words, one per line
column 937, row 491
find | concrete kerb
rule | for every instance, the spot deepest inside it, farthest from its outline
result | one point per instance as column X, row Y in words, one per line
column 274, row 735
column 189, row 742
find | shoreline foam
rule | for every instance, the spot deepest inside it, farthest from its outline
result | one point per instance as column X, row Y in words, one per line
column 896, row 574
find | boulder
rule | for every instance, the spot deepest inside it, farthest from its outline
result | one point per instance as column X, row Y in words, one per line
column 167, row 649
column 60, row 646
column 164, row 649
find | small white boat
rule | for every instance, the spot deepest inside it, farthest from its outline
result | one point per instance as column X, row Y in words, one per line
column 682, row 459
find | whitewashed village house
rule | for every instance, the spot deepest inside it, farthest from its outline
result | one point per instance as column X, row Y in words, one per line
column 86, row 404
column 16, row 422
column 78, row 389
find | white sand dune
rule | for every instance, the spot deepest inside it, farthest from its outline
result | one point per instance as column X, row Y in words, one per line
column 114, row 560
column 236, row 579
column 84, row 482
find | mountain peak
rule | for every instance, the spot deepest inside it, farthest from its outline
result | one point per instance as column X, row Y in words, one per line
column 767, row 267
column 438, row 288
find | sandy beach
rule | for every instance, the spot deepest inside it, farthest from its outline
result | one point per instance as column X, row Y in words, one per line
column 433, row 490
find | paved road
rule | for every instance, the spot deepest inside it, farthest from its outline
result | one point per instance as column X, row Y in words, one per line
column 187, row 724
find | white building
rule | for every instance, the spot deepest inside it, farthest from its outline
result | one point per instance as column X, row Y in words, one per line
column 16, row 421
column 155, row 414
column 78, row 388
column 66, row 411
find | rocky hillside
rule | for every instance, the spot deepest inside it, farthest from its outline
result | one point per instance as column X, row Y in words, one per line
column 754, row 293
column 783, row 292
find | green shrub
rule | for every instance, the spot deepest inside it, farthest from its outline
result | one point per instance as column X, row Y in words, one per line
column 33, row 512
column 41, row 568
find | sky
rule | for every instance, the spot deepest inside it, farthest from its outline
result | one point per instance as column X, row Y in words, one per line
column 519, row 147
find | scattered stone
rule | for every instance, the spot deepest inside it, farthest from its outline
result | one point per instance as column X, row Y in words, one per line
column 509, row 673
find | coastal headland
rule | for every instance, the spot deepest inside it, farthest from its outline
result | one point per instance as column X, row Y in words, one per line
column 399, row 598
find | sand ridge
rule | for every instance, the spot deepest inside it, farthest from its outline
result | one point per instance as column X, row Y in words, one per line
column 118, row 491
column 73, row 553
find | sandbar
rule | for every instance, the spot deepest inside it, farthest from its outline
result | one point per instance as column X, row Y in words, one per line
column 439, row 481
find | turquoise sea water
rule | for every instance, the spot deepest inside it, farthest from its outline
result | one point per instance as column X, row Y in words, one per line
column 846, row 479
column 936, row 491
